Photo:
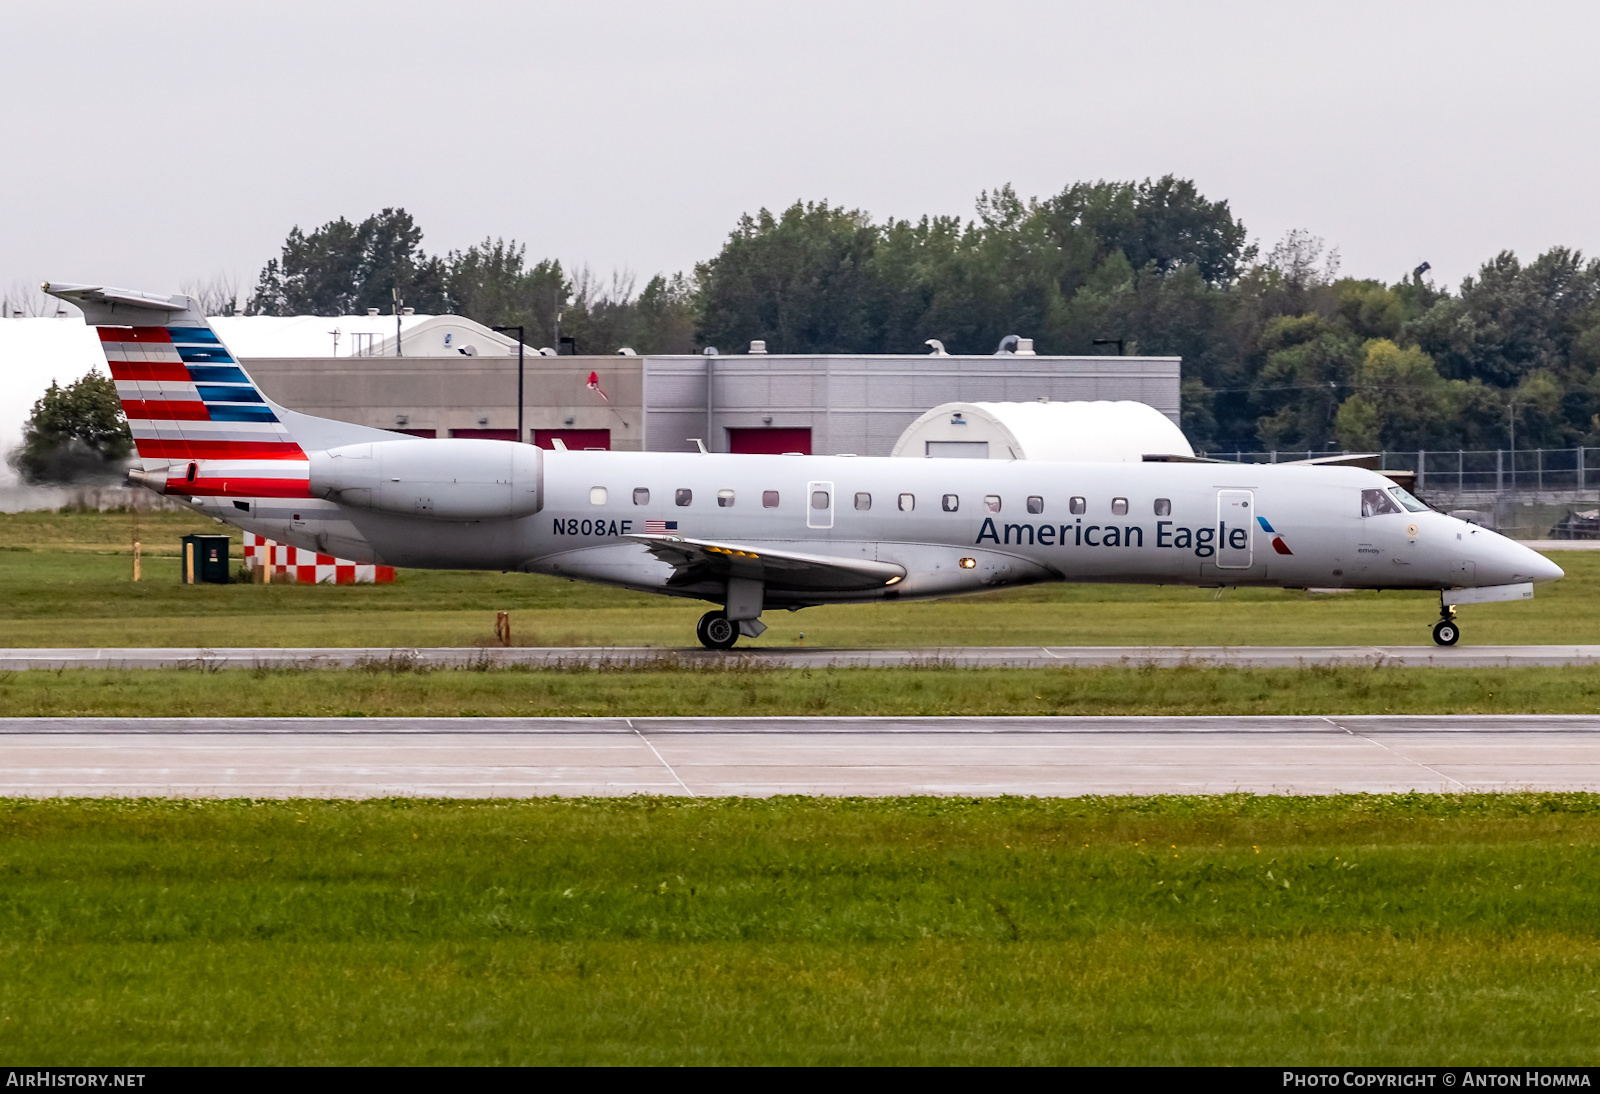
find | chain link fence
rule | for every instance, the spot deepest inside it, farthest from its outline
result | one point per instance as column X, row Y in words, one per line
column 1531, row 493
column 1484, row 471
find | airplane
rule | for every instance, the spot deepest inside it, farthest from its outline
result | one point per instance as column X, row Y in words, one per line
column 753, row 533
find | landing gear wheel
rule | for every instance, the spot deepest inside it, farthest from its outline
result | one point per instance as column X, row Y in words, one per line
column 716, row 631
column 1446, row 633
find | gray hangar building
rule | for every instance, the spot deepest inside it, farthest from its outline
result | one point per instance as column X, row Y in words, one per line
column 747, row 402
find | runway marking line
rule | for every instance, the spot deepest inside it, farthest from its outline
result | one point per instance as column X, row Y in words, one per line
column 1393, row 752
column 658, row 756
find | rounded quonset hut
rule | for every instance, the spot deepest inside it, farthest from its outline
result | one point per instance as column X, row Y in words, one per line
column 1087, row 432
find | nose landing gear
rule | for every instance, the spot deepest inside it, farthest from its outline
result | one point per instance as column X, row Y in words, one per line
column 716, row 631
column 1446, row 632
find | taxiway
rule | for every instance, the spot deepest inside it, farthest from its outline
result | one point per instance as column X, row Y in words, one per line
column 512, row 757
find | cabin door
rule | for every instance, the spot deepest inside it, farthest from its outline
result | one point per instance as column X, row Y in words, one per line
column 1235, row 517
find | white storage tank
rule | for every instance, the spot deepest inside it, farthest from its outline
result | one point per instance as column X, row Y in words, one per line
column 1086, row 432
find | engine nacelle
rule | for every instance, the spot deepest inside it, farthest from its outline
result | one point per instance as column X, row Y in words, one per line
column 455, row 479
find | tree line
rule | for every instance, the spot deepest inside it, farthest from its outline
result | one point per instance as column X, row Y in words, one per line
column 1279, row 351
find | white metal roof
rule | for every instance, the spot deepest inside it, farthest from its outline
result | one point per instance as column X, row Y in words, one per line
column 358, row 335
column 1122, row 431
column 32, row 353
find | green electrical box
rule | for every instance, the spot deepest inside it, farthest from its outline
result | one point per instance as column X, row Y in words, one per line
column 205, row 559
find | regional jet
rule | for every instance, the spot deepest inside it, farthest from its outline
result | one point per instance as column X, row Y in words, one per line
column 753, row 532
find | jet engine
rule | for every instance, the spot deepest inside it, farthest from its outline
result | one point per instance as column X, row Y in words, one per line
column 454, row 479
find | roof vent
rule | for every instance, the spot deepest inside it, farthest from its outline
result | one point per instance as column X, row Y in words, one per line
column 759, row 345
column 372, row 311
column 408, row 311
column 1025, row 347
column 709, row 351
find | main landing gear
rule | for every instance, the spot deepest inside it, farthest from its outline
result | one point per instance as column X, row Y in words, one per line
column 716, row 631
column 1446, row 632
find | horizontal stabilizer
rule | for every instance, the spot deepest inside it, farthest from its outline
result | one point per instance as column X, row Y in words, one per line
column 694, row 558
column 105, row 306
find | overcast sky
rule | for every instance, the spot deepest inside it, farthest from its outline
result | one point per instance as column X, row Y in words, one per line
column 150, row 143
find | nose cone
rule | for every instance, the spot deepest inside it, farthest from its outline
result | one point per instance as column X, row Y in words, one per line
column 1542, row 568
column 1507, row 562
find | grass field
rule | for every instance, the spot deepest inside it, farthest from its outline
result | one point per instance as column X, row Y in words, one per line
column 66, row 582
column 1224, row 930
column 392, row 689
column 1233, row 930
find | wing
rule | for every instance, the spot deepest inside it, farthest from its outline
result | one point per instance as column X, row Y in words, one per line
column 695, row 560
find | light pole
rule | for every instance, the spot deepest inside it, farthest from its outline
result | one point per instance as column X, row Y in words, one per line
column 520, row 438
column 395, row 295
column 557, row 302
column 1511, row 425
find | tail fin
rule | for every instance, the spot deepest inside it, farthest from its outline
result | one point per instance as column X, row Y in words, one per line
column 191, row 407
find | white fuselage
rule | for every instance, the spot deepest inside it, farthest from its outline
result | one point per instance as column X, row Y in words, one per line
column 953, row 525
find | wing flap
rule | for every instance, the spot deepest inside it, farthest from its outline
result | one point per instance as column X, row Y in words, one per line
column 696, row 559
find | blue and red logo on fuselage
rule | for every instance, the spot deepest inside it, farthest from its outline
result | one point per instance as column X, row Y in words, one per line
column 1277, row 541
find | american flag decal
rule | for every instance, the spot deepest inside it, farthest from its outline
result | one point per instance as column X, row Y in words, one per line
column 659, row 527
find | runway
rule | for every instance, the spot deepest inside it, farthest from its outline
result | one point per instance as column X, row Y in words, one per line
column 1465, row 657
column 1058, row 757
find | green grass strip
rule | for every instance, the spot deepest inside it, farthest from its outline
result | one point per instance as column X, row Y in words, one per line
column 67, row 581
column 739, row 688
column 1409, row 929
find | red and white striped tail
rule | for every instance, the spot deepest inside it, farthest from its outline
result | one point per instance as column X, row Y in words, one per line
column 309, row 567
column 190, row 405
column 200, row 424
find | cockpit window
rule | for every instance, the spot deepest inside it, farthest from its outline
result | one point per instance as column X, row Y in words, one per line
column 1375, row 503
column 1407, row 499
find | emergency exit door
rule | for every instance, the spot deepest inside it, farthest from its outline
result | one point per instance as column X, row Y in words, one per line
column 1235, row 518
column 819, row 505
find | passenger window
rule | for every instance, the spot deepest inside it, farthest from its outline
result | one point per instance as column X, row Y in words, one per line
column 597, row 495
column 1076, row 506
column 863, row 501
column 1163, row 507
column 1376, row 503
column 991, row 502
column 725, row 499
column 641, row 496
column 819, row 499
column 769, row 499
column 1119, row 507
column 683, row 497
column 1035, row 504
column 950, row 502
column 908, row 502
